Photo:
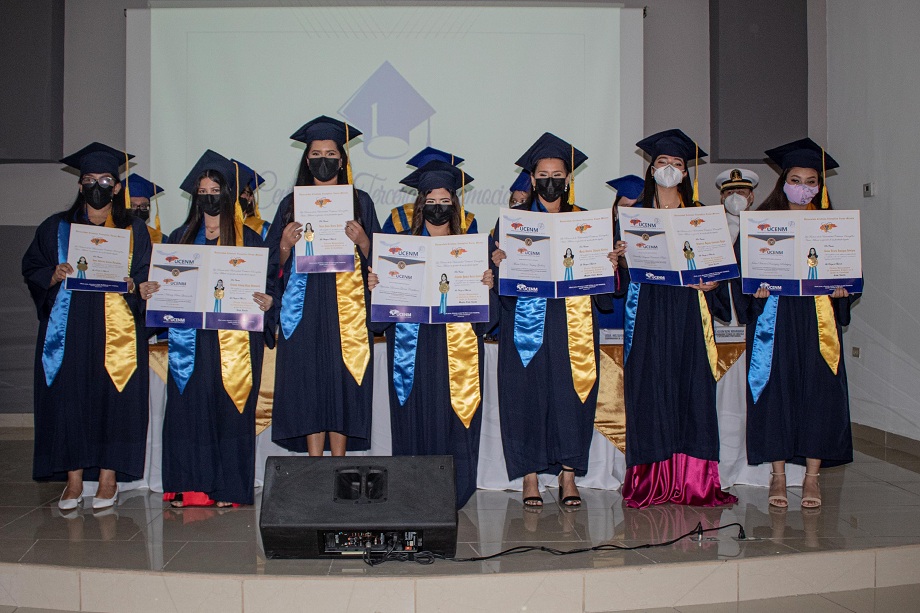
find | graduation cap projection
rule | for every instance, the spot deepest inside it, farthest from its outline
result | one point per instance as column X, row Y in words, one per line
column 388, row 109
column 99, row 158
column 430, row 154
column 676, row 144
column 805, row 153
column 628, row 186
column 436, row 175
column 522, row 183
column 139, row 187
column 551, row 146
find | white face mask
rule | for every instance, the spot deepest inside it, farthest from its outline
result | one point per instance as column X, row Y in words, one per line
column 735, row 203
column 668, row 176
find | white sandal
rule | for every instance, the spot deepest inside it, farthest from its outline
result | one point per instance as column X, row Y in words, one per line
column 810, row 502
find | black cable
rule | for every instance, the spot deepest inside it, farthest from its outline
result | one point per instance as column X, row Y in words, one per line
column 428, row 557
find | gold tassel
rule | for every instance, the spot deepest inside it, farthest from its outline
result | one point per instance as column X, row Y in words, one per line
column 351, row 178
column 696, row 175
column 825, row 201
column 157, row 202
column 571, row 200
column 127, row 176
column 462, row 207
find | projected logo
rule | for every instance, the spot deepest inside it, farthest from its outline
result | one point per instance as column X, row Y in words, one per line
column 388, row 110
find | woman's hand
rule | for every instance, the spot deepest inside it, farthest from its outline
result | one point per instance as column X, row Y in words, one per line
column 290, row 235
column 762, row 292
column 148, row 289
column 840, row 292
column 263, row 300
column 706, row 286
column 355, row 231
column 130, row 289
column 498, row 255
column 60, row 273
column 619, row 250
column 488, row 279
column 372, row 279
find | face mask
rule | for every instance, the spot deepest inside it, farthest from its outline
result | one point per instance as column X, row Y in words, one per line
column 735, row 203
column 438, row 214
column 550, row 189
column 143, row 214
column 799, row 193
column 209, row 204
column 324, row 169
column 97, row 196
column 668, row 176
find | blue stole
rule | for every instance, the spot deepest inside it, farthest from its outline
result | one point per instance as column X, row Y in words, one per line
column 182, row 343
column 56, row 332
column 629, row 318
column 292, row 300
column 762, row 348
column 529, row 316
column 405, row 345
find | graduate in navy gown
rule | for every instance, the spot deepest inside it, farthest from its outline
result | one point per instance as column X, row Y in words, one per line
column 797, row 398
column 400, row 219
column 90, row 415
column 325, row 361
column 143, row 193
column 628, row 187
column 214, row 375
column 547, row 422
column 250, row 181
column 426, row 418
column 669, row 375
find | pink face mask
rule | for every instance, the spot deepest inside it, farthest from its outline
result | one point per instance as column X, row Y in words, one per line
column 799, row 193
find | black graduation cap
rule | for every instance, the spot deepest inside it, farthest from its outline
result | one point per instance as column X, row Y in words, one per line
column 386, row 105
column 803, row 153
column 437, row 174
column 671, row 142
column 141, row 187
column 628, row 186
column 326, row 128
column 551, row 146
column 522, row 183
column 248, row 176
column 430, row 154
column 210, row 160
column 97, row 158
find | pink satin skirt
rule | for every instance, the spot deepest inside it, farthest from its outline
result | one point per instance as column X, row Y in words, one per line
column 681, row 480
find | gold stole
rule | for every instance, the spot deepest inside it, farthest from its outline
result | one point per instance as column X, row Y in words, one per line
column 580, row 322
column 828, row 343
column 120, row 333
column 349, row 295
column 463, row 369
column 235, row 360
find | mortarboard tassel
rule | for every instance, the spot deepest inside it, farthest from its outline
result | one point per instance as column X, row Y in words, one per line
column 351, row 179
column 127, row 176
column 572, row 182
column 157, row 202
column 696, row 174
column 462, row 208
column 237, row 209
column 825, row 201
column 255, row 197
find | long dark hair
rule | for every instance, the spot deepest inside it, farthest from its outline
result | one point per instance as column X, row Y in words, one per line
column 777, row 200
column 564, row 206
column 227, row 203
column 121, row 214
column 685, row 189
column 305, row 178
column 418, row 218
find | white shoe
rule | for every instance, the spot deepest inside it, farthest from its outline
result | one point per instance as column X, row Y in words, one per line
column 69, row 504
column 104, row 503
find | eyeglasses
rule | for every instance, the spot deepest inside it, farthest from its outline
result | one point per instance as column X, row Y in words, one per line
column 102, row 181
column 517, row 202
column 432, row 201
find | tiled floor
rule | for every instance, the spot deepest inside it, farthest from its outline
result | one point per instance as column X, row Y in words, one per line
column 870, row 503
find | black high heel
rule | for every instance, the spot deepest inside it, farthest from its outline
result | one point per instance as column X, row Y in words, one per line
column 568, row 501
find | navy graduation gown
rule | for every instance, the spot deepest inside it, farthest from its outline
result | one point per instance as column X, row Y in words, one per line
column 544, row 423
column 804, row 410
column 314, row 391
column 82, row 421
column 427, row 424
column 208, row 445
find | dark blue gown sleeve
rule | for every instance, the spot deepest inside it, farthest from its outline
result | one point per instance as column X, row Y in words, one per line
column 38, row 264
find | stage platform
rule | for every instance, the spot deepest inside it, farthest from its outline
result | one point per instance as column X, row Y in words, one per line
column 144, row 556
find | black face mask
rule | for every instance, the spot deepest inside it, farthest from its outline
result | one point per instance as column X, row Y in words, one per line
column 143, row 214
column 324, row 169
column 209, row 204
column 97, row 196
column 438, row 214
column 550, row 189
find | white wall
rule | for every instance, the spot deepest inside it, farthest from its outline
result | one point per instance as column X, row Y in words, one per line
column 873, row 96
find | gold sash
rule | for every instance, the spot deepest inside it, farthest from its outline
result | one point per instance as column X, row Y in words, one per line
column 463, row 368
column 709, row 337
column 349, row 294
column 828, row 343
column 235, row 360
column 120, row 334
column 581, row 344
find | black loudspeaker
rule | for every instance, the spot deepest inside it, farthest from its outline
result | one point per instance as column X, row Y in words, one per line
column 345, row 506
